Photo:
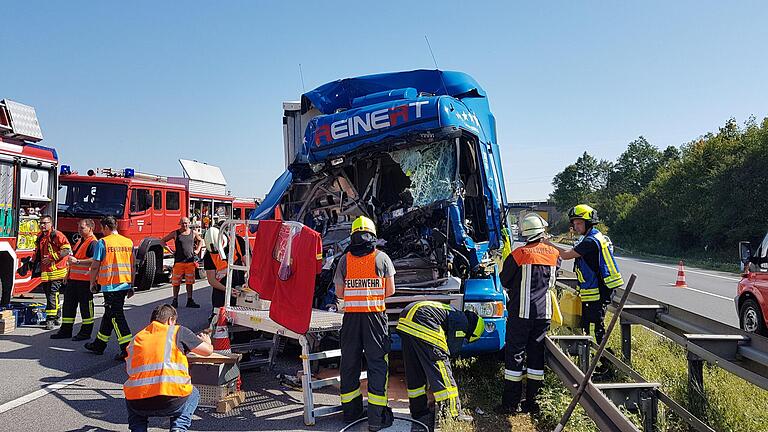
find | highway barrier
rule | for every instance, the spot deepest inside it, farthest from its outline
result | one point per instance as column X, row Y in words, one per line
column 705, row 340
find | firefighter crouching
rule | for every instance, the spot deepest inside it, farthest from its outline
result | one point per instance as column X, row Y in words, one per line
column 596, row 270
column 78, row 290
column 528, row 273
column 364, row 278
column 112, row 270
column 431, row 332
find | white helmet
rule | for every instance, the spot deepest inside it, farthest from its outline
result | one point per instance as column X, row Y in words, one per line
column 212, row 239
column 533, row 226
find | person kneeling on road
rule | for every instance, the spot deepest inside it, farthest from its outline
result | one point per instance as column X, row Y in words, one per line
column 431, row 332
column 158, row 382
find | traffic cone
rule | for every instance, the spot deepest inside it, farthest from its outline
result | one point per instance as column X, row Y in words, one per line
column 220, row 339
column 681, row 275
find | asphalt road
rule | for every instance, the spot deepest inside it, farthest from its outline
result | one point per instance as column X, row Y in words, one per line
column 56, row 385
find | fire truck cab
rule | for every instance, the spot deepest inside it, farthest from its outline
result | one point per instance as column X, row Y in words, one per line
column 147, row 207
column 28, row 177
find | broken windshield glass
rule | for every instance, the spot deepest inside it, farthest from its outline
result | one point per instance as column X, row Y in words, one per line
column 431, row 170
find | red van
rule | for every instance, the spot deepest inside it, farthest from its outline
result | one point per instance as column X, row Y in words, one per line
column 752, row 293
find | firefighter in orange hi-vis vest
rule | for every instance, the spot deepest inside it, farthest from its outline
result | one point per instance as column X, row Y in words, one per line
column 364, row 278
column 78, row 286
column 112, row 274
column 158, row 382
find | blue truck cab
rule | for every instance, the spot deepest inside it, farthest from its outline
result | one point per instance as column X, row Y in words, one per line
column 417, row 153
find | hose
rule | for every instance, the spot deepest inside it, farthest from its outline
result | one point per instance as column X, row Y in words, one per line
column 426, row 428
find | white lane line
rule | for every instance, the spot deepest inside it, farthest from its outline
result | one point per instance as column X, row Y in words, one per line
column 675, row 268
column 730, row 299
column 37, row 394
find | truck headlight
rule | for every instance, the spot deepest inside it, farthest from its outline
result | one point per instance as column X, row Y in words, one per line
column 493, row 309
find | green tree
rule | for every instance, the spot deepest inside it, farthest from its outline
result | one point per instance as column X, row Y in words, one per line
column 635, row 168
column 579, row 182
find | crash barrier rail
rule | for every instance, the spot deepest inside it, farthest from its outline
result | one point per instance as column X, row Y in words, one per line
column 743, row 354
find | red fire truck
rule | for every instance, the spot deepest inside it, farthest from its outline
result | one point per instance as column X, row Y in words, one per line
column 147, row 207
column 27, row 191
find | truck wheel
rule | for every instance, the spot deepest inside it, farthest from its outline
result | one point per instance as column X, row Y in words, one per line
column 145, row 277
column 751, row 317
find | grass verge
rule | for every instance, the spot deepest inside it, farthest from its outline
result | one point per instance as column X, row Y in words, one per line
column 731, row 404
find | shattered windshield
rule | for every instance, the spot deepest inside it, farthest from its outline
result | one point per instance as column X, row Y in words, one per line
column 431, row 170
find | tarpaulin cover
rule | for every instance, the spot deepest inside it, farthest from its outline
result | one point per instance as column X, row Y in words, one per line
column 339, row 94
column 285, row 261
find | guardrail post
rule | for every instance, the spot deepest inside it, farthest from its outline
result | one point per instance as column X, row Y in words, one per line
column 626, row 342
column 696, row 400
column 584, row 353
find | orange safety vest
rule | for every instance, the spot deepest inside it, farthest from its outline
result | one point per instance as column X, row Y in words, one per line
column 155, row 364
column 50, row 245
column 116, row 266
column 221, row 264
column 363, row 287
column 79, row 271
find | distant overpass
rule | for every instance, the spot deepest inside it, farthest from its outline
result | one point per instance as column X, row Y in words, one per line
column 545, row 208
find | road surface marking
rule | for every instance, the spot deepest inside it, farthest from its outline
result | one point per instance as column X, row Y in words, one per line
column 675, row 268
column 62, row 349
column 37, row 394
column 709, row 293
column 705, row 292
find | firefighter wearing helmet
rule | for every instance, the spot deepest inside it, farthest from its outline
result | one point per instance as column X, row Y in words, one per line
column 364, row 278
column 595, row 266
column 527, row 274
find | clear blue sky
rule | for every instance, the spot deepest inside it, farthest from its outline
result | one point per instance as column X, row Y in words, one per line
column 141, row 84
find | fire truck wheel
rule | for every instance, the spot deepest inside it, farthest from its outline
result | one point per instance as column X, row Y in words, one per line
column 145, row 277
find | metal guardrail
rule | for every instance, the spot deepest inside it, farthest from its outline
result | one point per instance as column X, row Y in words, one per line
column 743, row 354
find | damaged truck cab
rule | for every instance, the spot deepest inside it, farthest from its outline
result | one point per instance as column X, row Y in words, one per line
column 416, row 152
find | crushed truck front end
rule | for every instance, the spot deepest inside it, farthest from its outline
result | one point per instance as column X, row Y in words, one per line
column 416, row 152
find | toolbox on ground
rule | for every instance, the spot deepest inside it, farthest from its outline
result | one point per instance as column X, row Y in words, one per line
column 28, row 313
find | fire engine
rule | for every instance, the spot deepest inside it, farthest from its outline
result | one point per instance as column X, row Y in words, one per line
column 147, row 207
column 27, row 191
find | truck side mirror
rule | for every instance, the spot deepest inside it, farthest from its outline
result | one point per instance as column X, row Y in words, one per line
column 745, row 254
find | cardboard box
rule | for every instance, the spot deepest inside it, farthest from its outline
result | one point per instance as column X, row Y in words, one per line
column 215, row 370
column 6, row 314
column 7, row 325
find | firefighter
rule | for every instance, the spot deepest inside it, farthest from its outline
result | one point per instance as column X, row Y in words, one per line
column 528, row 273
column 216, row 269
column 596, row 270
column 52, row 251
column 432, row 332
column 78, row 290
column 112, row 274
column 187, row 246
column 364, row 278
column 159, row 384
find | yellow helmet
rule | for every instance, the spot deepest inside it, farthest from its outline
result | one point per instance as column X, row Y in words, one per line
column 363, row 224
column 583, row 211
